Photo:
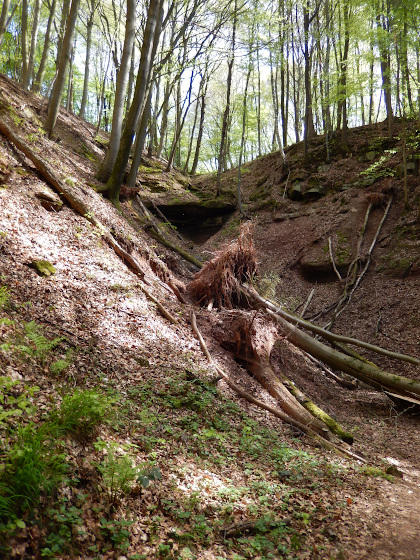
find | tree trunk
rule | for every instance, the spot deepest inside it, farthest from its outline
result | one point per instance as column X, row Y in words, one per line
column 180, row 121
column 89, row 26
column 356, row 368
column 309, row 130
column 142, row 82
column 241, row 150
column 200, row 128
column 385, row 68
column 3, row 18
column 58, row 87
column 121, row 87
column 36, row 86
column 192, row 134
column 221, row 164
column 140, row 141
column 27, row 78
column 24, row 38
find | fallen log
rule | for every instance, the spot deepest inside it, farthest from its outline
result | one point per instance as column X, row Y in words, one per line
column 361, row 370
column 316, row 411
column 47, row 172
column 332, row 337
column 278, row 413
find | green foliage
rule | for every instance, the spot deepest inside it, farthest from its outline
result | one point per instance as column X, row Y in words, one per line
column 62, row 364
column 33, row 467
column 375, row 472
column 15, row 400
column 39, row 346
column 4, row 296
column 267, row 285
column 118, row 471
column 116, row 531
column 83, row 411
column 377, row 170
column 63, row 521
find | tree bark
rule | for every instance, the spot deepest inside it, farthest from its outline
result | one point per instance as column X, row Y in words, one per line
column 27, row 78
column 57, row 90
column 24, row 39
column 221, row 163
column 121, row 88
column 200, row 126
column 3, row 18
column 37, row 83
column 142, row 82
column 89, row 27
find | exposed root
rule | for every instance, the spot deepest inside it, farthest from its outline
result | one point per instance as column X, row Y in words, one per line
column 278, row 413
column 220, row 279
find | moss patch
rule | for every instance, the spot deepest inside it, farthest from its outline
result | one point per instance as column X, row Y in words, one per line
column 43, row 267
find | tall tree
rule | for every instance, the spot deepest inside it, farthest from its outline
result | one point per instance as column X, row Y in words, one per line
column 63, row 61
column 3, row 18
column 143, row 76
column 221, row 164
column 120, row 91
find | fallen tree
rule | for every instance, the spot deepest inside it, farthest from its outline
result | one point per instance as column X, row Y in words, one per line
column 75, row 202
column 322, row 441
column 223, row 282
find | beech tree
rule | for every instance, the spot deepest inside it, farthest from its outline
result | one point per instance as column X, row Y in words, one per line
column 63, row 61
column 319, row 66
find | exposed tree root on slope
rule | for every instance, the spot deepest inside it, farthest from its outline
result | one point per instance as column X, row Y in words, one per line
column 251, row 339
column 322, row 441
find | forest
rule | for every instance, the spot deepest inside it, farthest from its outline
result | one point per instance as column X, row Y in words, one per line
column 209, row 279
column 210, row 85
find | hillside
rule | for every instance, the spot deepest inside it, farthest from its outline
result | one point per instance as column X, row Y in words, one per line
column 117, row 441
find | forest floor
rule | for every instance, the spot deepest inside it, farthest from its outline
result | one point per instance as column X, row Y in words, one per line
column 135, row 452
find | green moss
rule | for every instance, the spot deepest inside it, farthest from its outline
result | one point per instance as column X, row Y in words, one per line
column 343, row 250
column 261, row 192
column 85, row 152
column 148, row 169
column 43, row 267
column 374, row 471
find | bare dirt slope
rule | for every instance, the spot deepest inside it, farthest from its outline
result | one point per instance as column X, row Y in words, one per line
column 222, row 462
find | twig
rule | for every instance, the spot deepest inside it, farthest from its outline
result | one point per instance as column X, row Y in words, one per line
column 285, row 186
column 353, row 285
column 333, row 261
column 161, row 308
column 308, row 301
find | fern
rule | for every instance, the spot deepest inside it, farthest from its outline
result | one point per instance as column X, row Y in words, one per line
column 41, row 345
column 62, row 364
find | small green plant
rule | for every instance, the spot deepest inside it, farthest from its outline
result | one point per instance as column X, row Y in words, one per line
column 15, row 400
column 33, row 467
column 62, row 364
column 377, row 169
column 116, row 531
column 63, row 521
column 374, row 471
column 83, row 411
column 39, row 346
column 4, row 296
column 267, row 285
column 118, row 469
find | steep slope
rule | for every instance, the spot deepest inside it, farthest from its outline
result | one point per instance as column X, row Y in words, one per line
column 141, row 455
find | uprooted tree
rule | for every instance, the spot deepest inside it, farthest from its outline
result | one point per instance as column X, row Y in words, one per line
column 226, row 281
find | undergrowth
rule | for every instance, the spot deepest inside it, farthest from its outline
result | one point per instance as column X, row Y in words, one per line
column 189, row 458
